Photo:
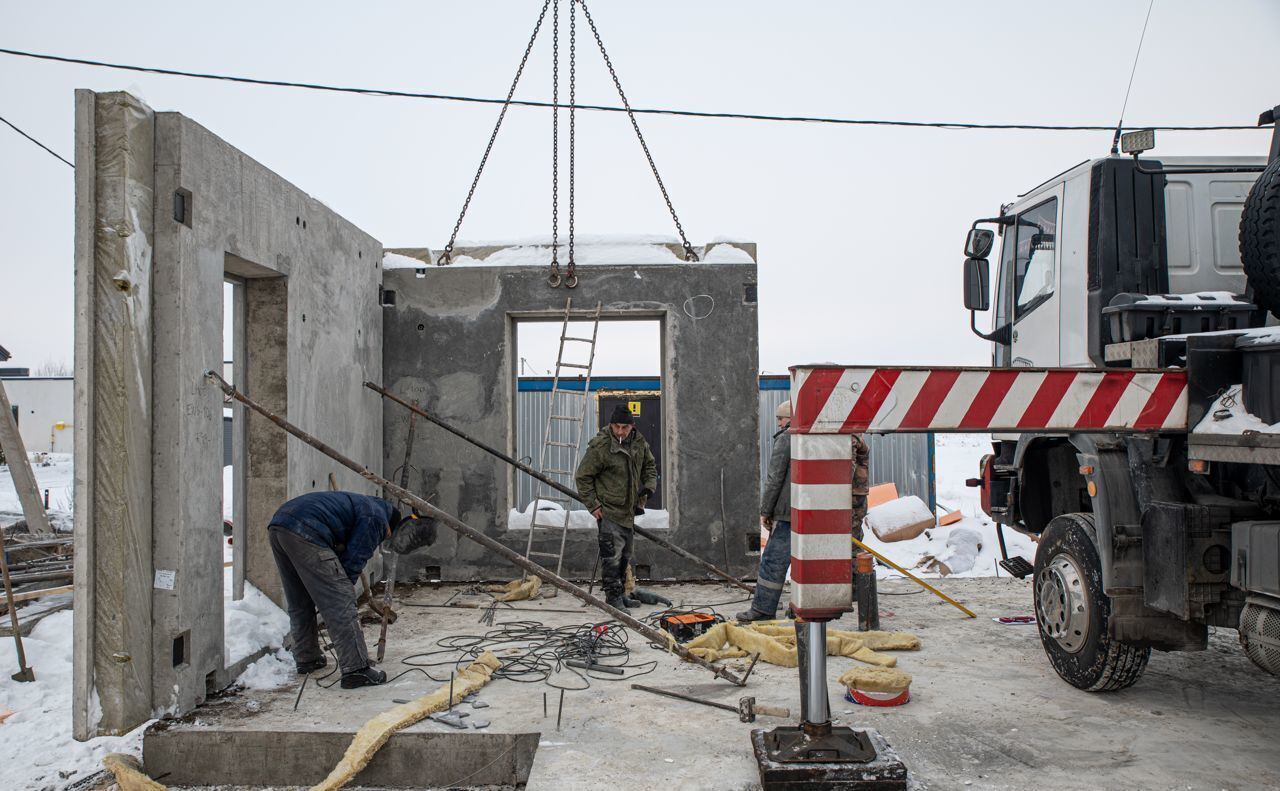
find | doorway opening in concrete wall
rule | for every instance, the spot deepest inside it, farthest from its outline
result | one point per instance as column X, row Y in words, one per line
column 233, row 445
column 554, row 418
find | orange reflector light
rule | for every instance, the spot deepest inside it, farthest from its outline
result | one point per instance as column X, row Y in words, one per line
column 1086, row 469
column 1093, row 489
column 1198, row 466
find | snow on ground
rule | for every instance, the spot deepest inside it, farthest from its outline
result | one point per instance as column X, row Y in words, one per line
column 53, row 471
column 956, row 459
column 36, row 748
column 271, row 671
column 552, row 515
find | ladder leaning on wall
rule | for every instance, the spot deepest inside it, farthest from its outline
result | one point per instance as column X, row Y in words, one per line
column 562, row 437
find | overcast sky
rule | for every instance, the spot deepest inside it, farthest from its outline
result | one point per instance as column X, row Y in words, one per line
column 859, row 229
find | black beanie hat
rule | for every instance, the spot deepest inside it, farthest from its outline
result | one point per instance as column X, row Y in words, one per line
column 621, row 414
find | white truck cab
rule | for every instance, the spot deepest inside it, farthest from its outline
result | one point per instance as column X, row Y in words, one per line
column 1063, row 244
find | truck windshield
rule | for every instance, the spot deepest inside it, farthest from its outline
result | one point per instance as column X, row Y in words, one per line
column 1034, row 271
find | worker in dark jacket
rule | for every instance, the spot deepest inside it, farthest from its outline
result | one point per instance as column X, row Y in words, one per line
column 321, row 542
column 775, row 517
column 615, row 478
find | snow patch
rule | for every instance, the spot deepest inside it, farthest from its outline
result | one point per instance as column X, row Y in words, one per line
column 251, row 623
column 36, row 748
column 272, row 671
column 552, row 515
column 1227, row 415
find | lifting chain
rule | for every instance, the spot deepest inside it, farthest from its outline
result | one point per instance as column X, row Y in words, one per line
column 554, row 278
column 447, row 256
column 689, row 254
column 572, row 278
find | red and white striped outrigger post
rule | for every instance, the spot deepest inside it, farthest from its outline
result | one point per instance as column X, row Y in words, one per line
column 828, row 403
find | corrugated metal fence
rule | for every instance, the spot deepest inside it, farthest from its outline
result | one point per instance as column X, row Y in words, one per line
column 905, row 459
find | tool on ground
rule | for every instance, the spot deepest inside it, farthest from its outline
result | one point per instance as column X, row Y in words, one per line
column 864, row 570
column 427, row 509
column 688, row 625
column 747, row 708
column 913, row 578
column 1011, row 620
column 527, row 470
column 389, row 558
column 562, row 435
column 648, row 596
column 581, row 665
column 25, row 673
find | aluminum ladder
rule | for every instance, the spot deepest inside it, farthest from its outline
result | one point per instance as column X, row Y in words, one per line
column 566, row 419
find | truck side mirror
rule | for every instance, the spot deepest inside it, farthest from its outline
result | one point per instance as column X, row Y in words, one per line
column 979, row 242
column 976, row 282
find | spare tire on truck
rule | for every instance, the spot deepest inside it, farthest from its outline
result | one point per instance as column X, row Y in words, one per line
column 1260, row 238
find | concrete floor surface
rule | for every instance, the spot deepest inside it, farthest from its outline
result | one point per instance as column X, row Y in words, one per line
column 987, row 710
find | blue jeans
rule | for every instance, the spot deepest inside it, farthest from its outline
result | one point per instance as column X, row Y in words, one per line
column 774, row 561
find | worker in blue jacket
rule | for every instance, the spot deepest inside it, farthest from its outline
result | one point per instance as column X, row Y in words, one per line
column 321, row 542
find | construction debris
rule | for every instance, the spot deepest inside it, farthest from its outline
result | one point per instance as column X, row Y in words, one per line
column 776, row 644
column 129, row 773
column 376, row 731
column 516, row 590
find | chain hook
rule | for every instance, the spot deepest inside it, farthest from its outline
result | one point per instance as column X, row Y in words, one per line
column 689, row 254
column 446, row 257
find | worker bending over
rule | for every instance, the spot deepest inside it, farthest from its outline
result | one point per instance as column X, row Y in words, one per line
column 321, row 542
column 615, row 478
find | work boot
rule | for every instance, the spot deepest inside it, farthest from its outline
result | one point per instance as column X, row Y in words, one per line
column 312, row 666
column 630, row 602
column 747, row 616
column 617, row 601
column 364, row 677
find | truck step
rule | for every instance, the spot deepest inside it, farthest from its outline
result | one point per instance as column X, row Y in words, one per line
column 1017, row 566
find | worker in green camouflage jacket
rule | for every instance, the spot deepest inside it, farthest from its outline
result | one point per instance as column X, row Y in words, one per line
column 615, row 478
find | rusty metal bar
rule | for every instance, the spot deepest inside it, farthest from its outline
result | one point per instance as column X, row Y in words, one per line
column 463, row 529
column 532, row 473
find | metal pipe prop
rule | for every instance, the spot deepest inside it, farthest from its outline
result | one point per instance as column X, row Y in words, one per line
column 819, row 706
column 25, row 673
column 465, row 530
column 566, row 491
column 914, row 578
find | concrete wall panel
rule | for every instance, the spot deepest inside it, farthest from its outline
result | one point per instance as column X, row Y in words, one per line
column 146, row 333
column 449, row 345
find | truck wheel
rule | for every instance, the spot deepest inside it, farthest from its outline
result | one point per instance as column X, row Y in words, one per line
column 1072, row 611
column 1260, row 238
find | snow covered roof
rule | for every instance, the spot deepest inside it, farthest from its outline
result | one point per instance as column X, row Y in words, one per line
column 589, row 250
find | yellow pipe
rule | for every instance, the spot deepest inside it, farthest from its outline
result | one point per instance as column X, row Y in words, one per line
column 915, row 579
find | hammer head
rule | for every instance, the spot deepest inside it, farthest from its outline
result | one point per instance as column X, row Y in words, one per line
column 747, row 709
column 26, row 674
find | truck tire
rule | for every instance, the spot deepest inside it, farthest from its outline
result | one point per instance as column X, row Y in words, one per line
column 1260, row 238
column 1072, row 611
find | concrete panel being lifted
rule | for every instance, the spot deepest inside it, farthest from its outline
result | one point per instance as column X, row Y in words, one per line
column 450, row 345
column 150, row 423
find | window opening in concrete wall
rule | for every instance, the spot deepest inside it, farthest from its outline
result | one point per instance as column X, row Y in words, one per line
column 627, row 369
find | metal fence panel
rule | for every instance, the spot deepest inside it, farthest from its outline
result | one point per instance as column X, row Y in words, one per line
column 905, row 459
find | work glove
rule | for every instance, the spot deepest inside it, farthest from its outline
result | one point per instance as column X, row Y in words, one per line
column 412, row 534
column 766, row 522
column 642, row 501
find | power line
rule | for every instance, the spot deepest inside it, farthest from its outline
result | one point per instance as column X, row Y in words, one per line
column 9, row 124
column 387, row 92
column 1115, row 142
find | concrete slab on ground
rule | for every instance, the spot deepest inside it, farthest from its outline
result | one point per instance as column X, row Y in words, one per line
column 987, row 710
